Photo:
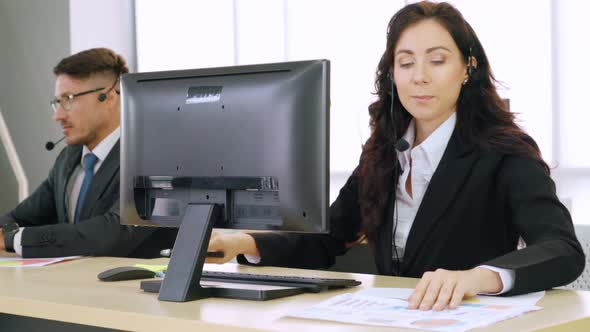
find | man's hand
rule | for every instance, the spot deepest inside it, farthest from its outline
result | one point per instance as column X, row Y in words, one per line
column 443, row 288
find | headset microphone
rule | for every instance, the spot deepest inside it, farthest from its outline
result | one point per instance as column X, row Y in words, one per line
column 102, row 97
column 402, row 145
column 50, row 145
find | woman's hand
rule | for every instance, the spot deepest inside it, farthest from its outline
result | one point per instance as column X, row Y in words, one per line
column 443, row 288
column 232, row 245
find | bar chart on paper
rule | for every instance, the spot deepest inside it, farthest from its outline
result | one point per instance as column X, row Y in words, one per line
column 359, row 308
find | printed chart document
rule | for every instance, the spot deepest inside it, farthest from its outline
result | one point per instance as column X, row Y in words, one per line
column 33, row 262
column 388, row 307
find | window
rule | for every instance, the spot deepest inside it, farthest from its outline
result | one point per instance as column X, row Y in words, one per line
column 184, row 34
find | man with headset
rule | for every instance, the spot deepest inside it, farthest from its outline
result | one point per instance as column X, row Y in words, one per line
column 75, row 211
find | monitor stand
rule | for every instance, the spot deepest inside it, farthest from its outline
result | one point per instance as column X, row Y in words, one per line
column 183, row 276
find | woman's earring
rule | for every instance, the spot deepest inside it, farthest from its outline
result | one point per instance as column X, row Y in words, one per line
column 465, row 81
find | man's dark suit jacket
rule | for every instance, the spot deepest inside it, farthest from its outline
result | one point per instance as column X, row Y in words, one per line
column 48, row 232
column 475, row 208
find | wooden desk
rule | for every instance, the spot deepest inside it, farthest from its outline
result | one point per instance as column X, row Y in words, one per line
column 69, row 292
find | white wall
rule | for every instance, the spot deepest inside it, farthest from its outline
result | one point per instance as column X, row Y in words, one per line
column 104, row 23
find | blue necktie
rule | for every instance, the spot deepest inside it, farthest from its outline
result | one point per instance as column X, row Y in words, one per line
column 89, row 162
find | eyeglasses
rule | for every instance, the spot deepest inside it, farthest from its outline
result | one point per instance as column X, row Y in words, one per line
column 66, row 101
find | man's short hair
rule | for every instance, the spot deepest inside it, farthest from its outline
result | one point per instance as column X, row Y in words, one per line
column 92, row 61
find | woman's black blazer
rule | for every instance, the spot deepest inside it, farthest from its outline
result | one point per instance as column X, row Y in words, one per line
column 475, row 208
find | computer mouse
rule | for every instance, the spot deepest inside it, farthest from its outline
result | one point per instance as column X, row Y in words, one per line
column 125, row 273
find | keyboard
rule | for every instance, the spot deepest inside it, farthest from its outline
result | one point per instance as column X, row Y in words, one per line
column 312, row 284
column 292, row 285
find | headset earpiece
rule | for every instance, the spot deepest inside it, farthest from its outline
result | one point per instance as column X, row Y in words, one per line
column 103, row 96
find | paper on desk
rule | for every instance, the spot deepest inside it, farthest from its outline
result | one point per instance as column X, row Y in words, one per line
column 404, row 293
column 381, row 309
column 32, row 262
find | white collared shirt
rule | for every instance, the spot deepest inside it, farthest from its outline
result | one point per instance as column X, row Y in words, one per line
column 101, row 151
column 423, row 160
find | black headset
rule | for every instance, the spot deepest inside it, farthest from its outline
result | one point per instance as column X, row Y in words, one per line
column 101, row 97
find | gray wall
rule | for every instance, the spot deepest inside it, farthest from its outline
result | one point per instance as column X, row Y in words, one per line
column 8, row 189
column 34, row 35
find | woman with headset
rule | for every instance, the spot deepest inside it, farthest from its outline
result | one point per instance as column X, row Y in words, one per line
column 447, row 183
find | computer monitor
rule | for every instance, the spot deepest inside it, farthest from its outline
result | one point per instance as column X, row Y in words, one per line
column 244, row 147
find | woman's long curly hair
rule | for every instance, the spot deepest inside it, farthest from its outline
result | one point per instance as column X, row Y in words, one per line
column 483, row 119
